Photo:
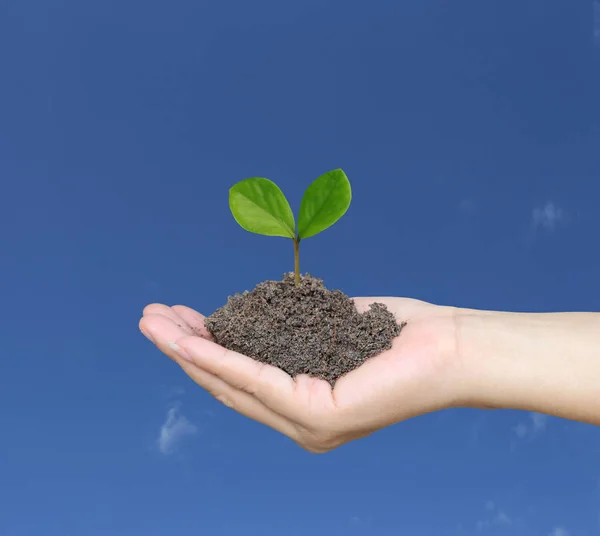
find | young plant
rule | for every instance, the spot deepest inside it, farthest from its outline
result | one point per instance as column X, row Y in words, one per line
column 260, row 207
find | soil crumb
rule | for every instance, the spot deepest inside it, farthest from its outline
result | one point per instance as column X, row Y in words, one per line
column 304, row 329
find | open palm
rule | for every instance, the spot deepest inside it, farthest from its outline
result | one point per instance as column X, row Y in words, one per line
column 419, row 374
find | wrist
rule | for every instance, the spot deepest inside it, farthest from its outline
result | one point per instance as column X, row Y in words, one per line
column 543, row 362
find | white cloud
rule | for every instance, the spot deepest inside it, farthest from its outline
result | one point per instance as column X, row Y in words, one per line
column 175, row 391
column 175, row 428
column 483, row 524
column 495, row 518
column 547, row 217
column 534, row 428
column 521, row 430
column 559, row 531
column 502, row 519
column 539, row 421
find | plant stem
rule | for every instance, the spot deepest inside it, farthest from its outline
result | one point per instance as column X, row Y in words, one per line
column 297, row 260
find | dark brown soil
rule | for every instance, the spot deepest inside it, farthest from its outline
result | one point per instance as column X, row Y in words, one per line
column 304, row 329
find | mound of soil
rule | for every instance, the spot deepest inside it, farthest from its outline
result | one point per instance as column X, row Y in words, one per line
column 304, row 329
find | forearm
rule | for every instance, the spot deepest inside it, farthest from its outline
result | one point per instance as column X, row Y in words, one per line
column 543, row 362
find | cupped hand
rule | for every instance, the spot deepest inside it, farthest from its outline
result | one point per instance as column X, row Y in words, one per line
column 421, row 373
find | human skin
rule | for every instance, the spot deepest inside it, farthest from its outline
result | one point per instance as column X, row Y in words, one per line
column 445, row 357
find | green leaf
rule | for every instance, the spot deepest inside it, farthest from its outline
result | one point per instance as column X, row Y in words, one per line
column 324, row 202
column 259, row 206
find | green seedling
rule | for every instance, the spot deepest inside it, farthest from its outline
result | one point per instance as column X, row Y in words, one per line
column 260, row 207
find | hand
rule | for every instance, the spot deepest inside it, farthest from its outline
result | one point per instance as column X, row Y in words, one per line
column 419, row 374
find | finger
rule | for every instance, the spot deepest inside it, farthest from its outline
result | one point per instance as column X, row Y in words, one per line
column 403, row 308
column 272, row 386
column 161, row 329
column 168, row 312
column 237, row 400
column 363, row 303
column 184, row 316
column 194, row 319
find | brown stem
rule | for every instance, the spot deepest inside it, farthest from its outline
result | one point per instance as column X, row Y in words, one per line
column 297, row 260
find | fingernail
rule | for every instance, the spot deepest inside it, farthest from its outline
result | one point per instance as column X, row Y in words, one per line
column 179, row 350
column 148, row 336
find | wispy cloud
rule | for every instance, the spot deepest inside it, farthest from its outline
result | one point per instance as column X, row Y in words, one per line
column 502, row 519
column 539, row 421
column 176, row 391
column 175, row 428
column 547, row 217
column 559, row 531
column 529, row 430
column 494, row 518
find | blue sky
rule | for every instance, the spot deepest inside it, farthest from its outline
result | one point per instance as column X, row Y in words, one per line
column 470, row 132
